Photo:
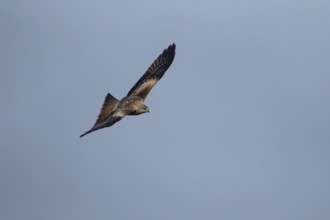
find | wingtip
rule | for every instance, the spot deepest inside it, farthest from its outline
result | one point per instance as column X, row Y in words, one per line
column 172, row 46
column 169, row 52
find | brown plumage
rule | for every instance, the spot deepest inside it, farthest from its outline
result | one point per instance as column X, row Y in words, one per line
column 114, row 110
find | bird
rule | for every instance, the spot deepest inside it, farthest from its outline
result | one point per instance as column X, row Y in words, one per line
column 113, row 110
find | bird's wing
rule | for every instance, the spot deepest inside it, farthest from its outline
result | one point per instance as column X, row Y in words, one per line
column 107, row 107
column 104, row 115
column 154, row 73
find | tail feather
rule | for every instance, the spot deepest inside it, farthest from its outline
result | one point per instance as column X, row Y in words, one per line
column 109, row 122
column 87, row 132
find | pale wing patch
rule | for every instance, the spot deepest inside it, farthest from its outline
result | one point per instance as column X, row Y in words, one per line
column 154, row 73
column 145, row 88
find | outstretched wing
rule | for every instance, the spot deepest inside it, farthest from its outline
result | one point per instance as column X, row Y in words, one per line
column 107, row 107
column 104, row 118
column 154, row 73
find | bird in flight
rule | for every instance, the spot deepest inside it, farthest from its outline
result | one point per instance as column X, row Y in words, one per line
column 114, row 110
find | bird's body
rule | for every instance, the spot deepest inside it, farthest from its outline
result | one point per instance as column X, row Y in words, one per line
column 114, row 110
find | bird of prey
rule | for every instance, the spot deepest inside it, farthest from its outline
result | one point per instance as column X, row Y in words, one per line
column 114, row 110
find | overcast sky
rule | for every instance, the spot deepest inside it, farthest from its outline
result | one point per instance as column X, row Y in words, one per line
column 239, row 126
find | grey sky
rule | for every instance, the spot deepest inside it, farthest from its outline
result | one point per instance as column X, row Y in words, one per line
column 238, row 129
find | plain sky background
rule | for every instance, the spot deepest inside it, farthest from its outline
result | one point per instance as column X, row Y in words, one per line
column 239, row 126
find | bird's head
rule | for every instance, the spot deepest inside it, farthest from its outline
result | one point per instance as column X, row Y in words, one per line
column 142, row 110
column 146, row 109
